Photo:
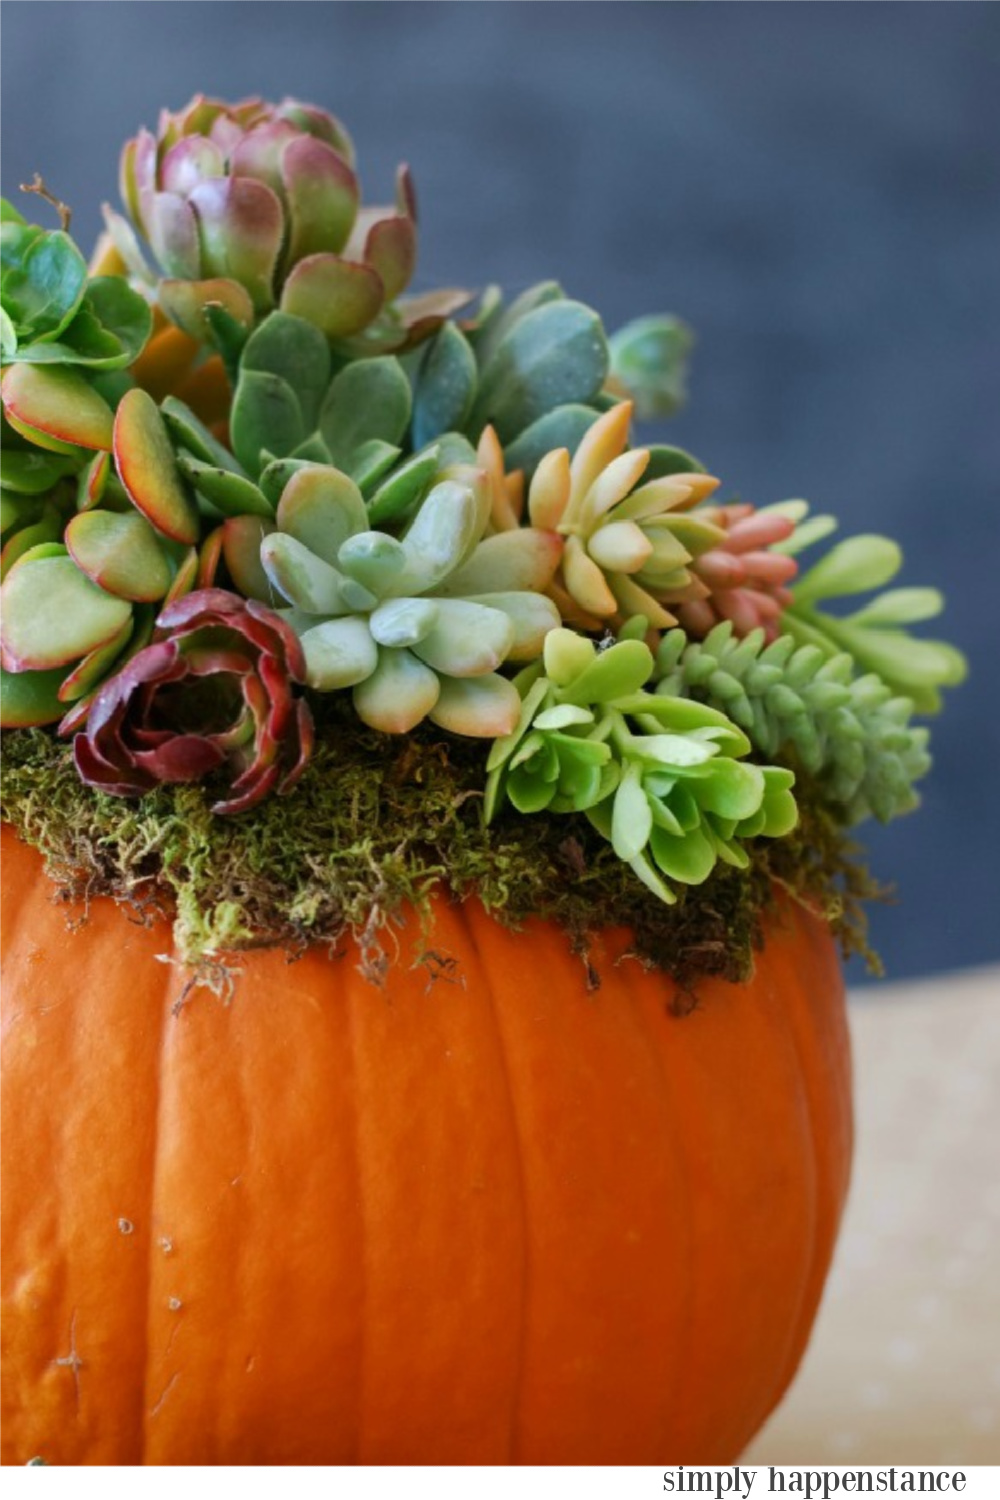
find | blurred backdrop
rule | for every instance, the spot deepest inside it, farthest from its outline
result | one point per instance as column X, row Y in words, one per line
column 814, row 188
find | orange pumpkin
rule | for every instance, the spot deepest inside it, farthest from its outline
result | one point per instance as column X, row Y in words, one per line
column 482, row 1218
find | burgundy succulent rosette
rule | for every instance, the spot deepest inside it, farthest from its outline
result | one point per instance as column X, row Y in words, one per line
column 215, row 690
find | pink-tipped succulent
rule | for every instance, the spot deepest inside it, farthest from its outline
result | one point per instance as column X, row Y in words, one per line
column 252, row 205
column 215, row 691
column 741, row 579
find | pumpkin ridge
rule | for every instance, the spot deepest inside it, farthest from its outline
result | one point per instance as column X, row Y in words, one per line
column 172, row 992
column 815, row 1052
column 687, row 1258
column 350, row 1002
column 469, row 917
column 783, row 992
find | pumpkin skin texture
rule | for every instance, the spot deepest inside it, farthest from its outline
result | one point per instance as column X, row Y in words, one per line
column 488, row 1219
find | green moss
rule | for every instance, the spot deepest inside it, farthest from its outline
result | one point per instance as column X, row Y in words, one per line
column 376, row 823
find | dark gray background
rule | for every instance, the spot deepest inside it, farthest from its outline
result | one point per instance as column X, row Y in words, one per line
column 815, row 188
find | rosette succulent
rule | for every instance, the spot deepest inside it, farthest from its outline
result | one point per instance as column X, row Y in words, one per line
column 417, row 625
column 629, row 546
column 252, row 206
column 214, row 692
column 662, row 778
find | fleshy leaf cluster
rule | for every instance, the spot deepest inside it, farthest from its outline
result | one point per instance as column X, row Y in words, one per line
column 664, row 779
column 252, row 206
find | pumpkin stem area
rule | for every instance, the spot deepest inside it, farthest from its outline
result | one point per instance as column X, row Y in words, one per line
column 377, row 824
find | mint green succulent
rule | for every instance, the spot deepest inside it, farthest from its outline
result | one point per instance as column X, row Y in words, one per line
column 416, row 625
column 850, row 732
column 662, row 778
column 874, row 635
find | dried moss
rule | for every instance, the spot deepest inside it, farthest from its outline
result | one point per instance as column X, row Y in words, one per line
column 375, row 824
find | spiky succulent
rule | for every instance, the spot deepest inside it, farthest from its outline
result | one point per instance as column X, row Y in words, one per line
column 662, row 778
column 416, row 625
column 214, row 690
column 629, row 545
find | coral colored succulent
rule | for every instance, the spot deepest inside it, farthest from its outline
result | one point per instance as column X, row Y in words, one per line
column 215, row 691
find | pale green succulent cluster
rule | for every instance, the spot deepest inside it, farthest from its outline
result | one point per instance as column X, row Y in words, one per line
column 663, row 779
column 417, row 625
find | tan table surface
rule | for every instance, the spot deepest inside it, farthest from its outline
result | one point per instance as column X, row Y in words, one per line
column 904, row 1366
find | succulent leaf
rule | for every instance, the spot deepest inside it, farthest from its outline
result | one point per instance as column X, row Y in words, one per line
column 555, row 355
column 56, row 408
column 53, row 614
column 649, row 363
column 148, row 470
column 120, row 553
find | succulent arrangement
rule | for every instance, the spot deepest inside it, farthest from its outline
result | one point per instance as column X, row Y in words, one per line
column 245, row 476
column 339, row 623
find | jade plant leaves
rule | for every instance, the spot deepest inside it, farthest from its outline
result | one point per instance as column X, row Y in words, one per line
column 445, row 386
column 56, row 408
column 120, row 553
column 369, row 399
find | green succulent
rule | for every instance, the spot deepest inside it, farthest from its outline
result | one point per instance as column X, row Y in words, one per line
column 416, row 625
column 850, row 732
column 295, row 404
column 875, row 635
column 534, row 370
column 662, row 778
column 52, row 312
column 649, row 359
